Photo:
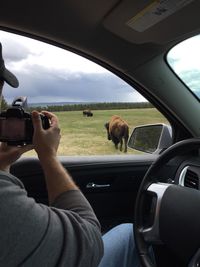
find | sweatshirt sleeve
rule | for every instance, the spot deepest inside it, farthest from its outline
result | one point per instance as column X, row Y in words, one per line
column 75, row 201
column 65, row 234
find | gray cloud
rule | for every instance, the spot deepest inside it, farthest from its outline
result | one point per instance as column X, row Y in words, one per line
column 192, row 79
column 14, row 51
column 42, row 86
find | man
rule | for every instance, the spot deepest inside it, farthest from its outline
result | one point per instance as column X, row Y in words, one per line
column 67, row 233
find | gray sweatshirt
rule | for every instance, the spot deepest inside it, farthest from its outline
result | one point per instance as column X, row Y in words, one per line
column 65, row 234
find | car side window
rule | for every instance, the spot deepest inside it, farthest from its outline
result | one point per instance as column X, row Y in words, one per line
column 88, row 99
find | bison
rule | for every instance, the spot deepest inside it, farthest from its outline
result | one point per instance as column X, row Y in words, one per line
column 87, row 113
column 118, row 130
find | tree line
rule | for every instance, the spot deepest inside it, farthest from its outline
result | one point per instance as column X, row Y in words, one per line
column 80, row 107
column 94, row 106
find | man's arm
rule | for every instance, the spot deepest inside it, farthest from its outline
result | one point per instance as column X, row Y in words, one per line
column 46, row 144
column 58, row 181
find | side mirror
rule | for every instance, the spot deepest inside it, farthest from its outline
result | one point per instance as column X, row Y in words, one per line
column 151, row 138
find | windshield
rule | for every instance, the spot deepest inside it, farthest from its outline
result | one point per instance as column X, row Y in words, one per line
column 184, row 59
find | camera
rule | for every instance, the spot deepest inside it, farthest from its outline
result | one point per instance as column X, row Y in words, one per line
column 16, row 127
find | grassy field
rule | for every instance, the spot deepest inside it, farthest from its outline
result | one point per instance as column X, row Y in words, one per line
column 87, row 135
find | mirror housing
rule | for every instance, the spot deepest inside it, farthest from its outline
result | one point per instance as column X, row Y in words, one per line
column 151, row 138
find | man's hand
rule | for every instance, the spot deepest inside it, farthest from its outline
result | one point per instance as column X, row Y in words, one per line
column 45, row 142
column 9, row 154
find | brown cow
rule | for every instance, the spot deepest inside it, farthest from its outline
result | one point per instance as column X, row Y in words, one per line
column 118, row 130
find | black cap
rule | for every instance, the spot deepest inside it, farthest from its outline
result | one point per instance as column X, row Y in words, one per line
column 5, row 74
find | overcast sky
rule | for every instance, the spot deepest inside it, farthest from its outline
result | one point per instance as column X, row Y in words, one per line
column 50, row 74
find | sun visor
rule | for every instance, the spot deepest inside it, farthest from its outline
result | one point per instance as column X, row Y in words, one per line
column 148, row 21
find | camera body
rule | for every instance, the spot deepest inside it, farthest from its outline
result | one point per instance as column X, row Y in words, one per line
column 16, row 127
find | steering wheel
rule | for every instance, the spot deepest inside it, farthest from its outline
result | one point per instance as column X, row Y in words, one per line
column 166, row 213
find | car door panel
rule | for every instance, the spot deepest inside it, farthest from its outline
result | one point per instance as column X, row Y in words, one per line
column 110, row 183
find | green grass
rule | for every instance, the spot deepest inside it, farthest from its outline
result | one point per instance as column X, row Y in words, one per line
column 87, row 135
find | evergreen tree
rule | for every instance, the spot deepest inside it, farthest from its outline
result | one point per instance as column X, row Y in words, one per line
column 4, row 104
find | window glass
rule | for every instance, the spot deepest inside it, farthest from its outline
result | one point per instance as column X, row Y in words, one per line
column 59, row 81
column 184, row 59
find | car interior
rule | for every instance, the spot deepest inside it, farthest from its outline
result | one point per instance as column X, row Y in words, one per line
column 156, row 189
